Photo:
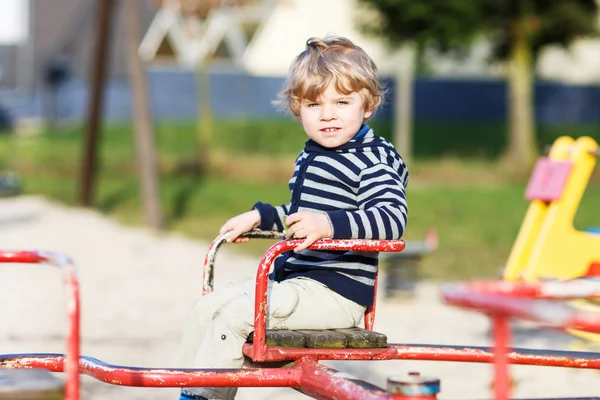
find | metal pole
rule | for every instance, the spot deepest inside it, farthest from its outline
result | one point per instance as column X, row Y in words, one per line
column 501, row 361
column 99, row 63
column 146, row 153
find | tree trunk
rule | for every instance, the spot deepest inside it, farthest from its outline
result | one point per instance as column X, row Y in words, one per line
column 521, row 151
column 403, row 115
column 142, row 122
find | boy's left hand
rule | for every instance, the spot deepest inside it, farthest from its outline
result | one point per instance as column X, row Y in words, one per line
column 307, row 225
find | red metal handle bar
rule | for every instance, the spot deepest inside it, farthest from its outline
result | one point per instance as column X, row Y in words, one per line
column 306, row 375
column 572, row 289
column 552, row 313
column 321, row 382
column 425, row 352
column 67, row 269
column 159, row 377
column 208, row 272
column 168, row 377
column 528, row 301
column 431, row 352
column 262, row 276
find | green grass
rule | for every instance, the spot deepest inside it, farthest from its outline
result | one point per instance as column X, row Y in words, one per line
column 473, row 204
column 477, row 226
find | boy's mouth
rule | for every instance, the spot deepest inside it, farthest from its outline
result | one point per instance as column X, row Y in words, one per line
column 329, row 130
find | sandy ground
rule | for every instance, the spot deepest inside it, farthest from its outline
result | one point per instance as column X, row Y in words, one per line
column 136, row 288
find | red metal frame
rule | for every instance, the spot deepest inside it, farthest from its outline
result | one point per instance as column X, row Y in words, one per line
column 499, row 299
column 502, row 300
column 262, row 279
column 273, row 252
column 67, row 269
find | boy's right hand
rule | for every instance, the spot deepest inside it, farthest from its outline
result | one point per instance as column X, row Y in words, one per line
column 241, row 224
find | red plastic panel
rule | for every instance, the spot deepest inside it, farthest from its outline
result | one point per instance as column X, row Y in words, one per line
column 548, row 180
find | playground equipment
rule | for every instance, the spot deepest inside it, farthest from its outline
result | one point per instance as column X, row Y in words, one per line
column 548, row 246
column 302, row 351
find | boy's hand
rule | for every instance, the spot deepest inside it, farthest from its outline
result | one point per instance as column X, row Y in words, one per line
column 307, row 225
column 241, row 224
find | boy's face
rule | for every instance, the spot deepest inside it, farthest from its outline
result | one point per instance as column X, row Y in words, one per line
column 334, row 118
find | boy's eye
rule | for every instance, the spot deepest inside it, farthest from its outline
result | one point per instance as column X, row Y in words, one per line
column 312, row 105
column 343, row 102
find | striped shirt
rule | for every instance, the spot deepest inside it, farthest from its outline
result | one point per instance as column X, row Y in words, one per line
column 361, row 187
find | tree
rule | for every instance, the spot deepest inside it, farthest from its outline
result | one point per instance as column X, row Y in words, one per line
column 517, row 30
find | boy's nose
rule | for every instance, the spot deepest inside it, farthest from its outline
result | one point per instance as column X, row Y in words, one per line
column 327, row 114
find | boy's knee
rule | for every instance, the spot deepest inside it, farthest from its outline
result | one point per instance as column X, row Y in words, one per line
column 284, row 300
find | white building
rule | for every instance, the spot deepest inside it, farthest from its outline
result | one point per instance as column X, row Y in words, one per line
column 292, row 22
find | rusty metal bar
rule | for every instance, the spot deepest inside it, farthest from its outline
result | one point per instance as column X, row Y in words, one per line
column 159, row 377
column 433, row 352
column 321, row 382
column 67, row 269
column 297, row 375
column 208, row 271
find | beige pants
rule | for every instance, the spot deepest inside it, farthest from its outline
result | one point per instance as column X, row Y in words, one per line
column 220, row 322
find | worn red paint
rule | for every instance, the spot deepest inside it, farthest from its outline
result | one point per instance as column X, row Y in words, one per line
column 262, row 277
column 321, row 382
column 208, row 270
column 159, row 377
column 475, row 354
column 67, row 269
column 501, row 340
column 501, row 299
column 267, row 261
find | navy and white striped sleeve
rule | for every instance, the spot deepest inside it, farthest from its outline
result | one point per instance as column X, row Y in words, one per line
column 271, row 217
column 382, row 207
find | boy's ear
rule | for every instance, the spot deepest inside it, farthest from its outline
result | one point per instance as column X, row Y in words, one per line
column 368, row 114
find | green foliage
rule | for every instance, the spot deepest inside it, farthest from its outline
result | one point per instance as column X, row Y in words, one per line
column 452, row 25
column 439, row 24
column 477, row 225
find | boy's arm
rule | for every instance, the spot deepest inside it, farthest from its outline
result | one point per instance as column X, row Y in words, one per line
column 271, row 217
column 382, row 212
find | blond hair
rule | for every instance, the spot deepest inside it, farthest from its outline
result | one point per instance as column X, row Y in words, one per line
column 336, row 60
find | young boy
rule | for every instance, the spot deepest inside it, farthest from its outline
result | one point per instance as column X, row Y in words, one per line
column 347, row 184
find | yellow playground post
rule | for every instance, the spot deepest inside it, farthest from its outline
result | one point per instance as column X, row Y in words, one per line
column 548, row 245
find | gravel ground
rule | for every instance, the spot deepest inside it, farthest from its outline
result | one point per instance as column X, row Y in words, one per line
column 136, row 288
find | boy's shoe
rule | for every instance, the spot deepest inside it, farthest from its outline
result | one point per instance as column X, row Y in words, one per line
column 185, row 395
